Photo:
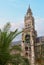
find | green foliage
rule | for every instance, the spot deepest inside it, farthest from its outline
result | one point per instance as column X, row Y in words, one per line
column 6, row 37
column 16, row 48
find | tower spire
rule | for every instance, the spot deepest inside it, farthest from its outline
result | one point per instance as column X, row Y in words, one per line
column 29, row 10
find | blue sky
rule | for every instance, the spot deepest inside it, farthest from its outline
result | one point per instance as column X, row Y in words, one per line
column 14, row 11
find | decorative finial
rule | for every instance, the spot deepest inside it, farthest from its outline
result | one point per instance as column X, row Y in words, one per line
column 29, row 10
column 29, row 5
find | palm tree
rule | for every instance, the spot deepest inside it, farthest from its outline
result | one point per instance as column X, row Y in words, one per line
column 6, row 37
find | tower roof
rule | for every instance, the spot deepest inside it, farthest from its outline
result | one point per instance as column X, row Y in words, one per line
column 29, row 10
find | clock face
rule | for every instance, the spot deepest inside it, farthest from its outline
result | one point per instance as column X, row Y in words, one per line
column 27, row 38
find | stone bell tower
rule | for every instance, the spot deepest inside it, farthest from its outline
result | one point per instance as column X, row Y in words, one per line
column 29, row 37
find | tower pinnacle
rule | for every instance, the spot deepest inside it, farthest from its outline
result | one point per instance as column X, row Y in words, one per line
column 29, row 10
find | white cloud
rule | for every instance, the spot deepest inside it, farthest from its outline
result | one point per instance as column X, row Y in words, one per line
column 39, row 24
column 2, row 22
column 14, row 24
column 17, row 25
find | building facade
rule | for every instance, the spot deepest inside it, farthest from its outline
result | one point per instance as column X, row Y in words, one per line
column 32, row 46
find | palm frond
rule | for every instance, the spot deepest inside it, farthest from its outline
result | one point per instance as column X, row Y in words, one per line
column 7, row 27
column 16, row 48
column 6, row 37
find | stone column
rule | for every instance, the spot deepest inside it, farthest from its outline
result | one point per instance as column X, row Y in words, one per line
column 23, row 48
column 32, row 51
